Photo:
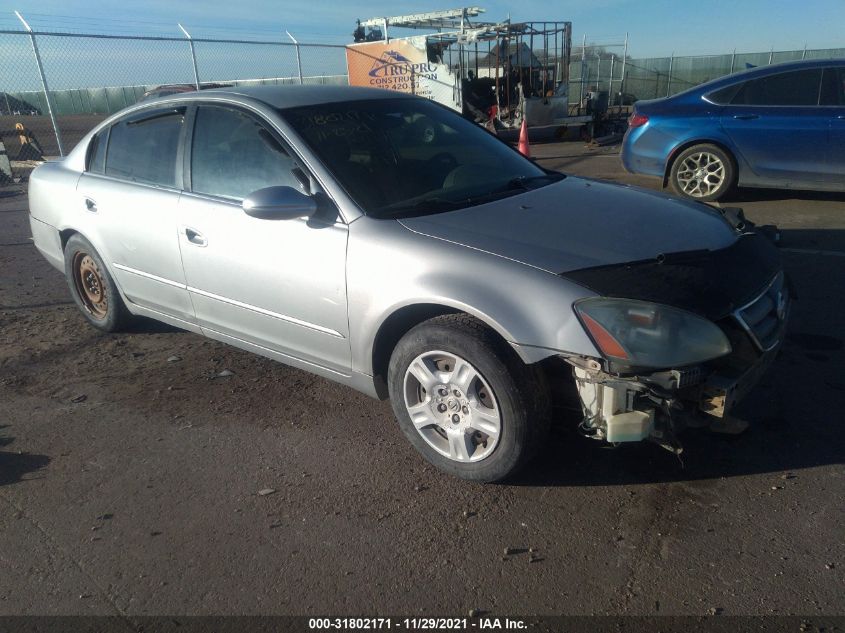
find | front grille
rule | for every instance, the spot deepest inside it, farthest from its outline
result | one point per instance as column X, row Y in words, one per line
column 687, row 377
column 764, row 317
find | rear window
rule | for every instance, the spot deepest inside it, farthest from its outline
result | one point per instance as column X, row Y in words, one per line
column 143, row 147
column 724, row 96
column 97, row 152
column 795, row 88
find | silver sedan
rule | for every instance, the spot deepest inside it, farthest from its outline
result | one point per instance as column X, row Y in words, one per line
column 385, row 242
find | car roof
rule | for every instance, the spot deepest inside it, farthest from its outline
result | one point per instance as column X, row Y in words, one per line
column 757, row 71
column 293, row 96
column 787, row 66
column 771, row 69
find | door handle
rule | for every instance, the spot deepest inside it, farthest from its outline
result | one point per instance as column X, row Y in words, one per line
column 841, row 117
column 195, row 237
column 91, row 205
column 746, row 117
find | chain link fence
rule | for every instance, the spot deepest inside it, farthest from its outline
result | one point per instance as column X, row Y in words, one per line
column 89, row 77
column 19, row 70
column 56, row 86
column 650, row 78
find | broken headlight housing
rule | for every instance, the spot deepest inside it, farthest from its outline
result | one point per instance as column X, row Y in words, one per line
column 633, row 333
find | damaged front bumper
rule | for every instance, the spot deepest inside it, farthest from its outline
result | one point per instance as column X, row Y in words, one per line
column 657, row 406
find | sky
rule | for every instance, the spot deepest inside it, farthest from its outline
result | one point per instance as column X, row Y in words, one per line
column 655, row 27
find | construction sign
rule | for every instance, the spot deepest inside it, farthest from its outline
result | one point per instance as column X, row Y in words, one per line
column 404, row 65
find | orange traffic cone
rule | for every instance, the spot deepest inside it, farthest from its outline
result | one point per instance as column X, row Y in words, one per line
column 524, row 149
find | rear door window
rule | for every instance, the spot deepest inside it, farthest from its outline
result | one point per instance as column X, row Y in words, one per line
column 143, row 147
column 833, row 87
column 795, row 88
column 234, row 154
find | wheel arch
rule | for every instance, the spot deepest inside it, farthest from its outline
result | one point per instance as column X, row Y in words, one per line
column 65, row 235
column 720, row 143
column 402, row 320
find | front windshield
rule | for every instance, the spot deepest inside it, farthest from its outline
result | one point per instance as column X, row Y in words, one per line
column 400, row 157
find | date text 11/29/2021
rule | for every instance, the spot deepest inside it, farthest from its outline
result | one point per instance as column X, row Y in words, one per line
column 416, row 624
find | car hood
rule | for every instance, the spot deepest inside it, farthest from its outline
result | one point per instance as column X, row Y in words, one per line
column 578, row 223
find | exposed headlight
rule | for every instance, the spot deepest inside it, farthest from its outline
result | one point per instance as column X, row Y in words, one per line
column 642, row 334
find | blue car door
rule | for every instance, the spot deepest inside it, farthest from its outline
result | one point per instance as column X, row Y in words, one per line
column 833, row 97
column 779, row 128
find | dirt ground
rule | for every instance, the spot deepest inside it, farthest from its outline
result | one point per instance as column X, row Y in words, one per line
column 130, row 474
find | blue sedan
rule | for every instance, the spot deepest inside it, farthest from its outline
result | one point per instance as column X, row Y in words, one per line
column 779, row 126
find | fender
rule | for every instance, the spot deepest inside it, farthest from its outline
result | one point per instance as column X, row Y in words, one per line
column 384, row 275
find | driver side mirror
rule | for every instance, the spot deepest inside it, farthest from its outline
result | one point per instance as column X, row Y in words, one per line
column 279, row 203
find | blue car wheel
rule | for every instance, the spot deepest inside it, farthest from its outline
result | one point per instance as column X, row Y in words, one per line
column 703, row 172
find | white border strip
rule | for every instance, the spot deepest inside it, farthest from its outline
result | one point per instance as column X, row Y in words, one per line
column 813, row 251
column 168, row 282
column 245, row 306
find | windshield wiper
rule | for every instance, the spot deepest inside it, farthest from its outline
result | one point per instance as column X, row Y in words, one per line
column 437, row 204
column 523, row 182
column 427, row 206
column 430, row 205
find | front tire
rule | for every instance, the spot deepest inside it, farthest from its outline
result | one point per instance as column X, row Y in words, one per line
column 92, row 288
column 465, row 400
column 703, row 172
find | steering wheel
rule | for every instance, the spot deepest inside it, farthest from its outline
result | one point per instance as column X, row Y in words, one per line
column 425, row 130
column 444, row 160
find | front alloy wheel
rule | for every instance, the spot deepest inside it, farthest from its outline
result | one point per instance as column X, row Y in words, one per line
column 465, row 400
column 452, row 407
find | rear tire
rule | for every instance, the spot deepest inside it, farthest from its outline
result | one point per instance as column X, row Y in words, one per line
column 92, row 288
column 703, row 172
column 464, row 399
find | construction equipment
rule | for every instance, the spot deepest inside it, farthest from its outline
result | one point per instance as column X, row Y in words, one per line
column 30, row 148
column 498, row 74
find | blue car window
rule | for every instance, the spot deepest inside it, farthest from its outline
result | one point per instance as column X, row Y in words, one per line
column 795, row 88
column 723, row 96
column 833, row 87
